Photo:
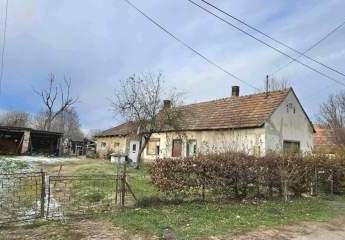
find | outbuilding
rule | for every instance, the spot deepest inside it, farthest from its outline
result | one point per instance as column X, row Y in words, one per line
column 21, row 141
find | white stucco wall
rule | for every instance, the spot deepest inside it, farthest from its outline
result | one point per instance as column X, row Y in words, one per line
column 211, row 141
column 290, row 126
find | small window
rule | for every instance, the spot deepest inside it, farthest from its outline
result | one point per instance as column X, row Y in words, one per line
column 290, row 108
column 153, row 147
column 116, row 146
column 257, row 151
column 134, row 147
column 291, row 147
column 191, row 148
column 177, row 148
column 103, row 144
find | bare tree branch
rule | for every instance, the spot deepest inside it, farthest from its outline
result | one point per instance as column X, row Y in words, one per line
column 139, row 100
column 49, row 97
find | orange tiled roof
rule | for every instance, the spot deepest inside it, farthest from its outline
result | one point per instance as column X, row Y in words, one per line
column 227, row 113
column 232, row 112
column 324, row 138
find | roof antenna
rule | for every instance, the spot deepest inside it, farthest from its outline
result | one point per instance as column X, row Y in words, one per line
column 267, row 85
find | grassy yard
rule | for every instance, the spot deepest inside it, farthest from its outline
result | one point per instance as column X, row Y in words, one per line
column 194, row 219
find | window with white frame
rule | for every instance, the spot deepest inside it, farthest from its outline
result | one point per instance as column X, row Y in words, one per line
column 191, row 147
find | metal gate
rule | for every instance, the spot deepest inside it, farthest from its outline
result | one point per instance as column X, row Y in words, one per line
column 26, row 196
column 72, row 196
column 22, row 196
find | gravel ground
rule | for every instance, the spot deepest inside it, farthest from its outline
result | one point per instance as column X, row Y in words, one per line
column 104, row 230
column 333, row 230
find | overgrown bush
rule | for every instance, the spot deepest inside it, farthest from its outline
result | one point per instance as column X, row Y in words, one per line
column 236, row 175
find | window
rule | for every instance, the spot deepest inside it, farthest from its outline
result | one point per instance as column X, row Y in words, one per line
column 177, row 148
column 116, row 147
column 134, row 147
column 191, row 148
column 257, row 151
column 103, row 144
column 291, row 146
column 290, row 108
column 153, row 147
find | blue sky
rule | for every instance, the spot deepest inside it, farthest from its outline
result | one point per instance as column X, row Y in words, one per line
column 99, row 42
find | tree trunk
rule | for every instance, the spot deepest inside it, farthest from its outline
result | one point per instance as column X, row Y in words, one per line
column 143, row 144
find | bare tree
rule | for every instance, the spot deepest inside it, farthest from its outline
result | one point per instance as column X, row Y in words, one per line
column 15, row 119
column 49, row 98
column 139, row 100
column 66, row 122
column 332, row 115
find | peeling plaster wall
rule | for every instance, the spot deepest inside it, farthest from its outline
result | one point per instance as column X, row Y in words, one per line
column 211, row 141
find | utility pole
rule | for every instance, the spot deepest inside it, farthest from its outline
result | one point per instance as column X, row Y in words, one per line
column 267, row 85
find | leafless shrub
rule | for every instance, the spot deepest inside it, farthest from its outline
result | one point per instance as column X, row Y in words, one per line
column 239, row 176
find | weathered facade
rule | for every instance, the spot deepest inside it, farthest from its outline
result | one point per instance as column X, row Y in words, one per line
column 255, row 124
column 117, row 140
column 19, row 141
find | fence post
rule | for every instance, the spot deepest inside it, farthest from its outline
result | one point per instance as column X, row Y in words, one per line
column 43, row 192
column 203, row 183
column 123, row 194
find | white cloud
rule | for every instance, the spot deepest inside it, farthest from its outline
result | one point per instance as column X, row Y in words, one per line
column 99, row 42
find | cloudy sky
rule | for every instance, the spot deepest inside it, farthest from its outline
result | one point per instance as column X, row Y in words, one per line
column 99, row 42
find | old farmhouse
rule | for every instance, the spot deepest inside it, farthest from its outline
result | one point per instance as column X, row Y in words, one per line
column 255, row 124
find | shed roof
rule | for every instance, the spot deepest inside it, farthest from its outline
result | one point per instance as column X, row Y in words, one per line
column 22, row 129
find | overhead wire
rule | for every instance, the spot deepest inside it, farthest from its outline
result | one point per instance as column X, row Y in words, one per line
column 3, row 47
column 188, row 46
column 278, row 41
column 268, row 45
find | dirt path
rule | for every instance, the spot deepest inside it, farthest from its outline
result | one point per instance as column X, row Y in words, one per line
column 104, row 230
column 333, row 230
column 76, row 230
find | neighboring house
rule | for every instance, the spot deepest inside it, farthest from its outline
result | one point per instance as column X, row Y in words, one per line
column 255, row 124
column 325, row 140
column 118, row 140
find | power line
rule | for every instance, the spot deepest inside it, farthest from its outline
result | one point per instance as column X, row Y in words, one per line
column 187, row 46
column 268, row 45
column 310, row 48
column 3, row 46
column 276, row 40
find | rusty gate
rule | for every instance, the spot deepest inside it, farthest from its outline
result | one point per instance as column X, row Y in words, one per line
column 22, row 196
column 26, row 196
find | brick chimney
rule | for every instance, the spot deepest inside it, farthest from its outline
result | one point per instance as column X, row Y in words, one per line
column 235, row 91
column 166, row 104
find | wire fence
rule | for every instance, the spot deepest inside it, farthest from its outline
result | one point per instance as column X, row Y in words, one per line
column 21, row 196
column 26, row 196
